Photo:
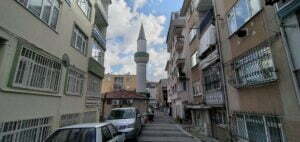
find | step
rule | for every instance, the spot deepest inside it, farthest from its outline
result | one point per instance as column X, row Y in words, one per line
column 163, row 133
column 166, row 139
column 159, row 129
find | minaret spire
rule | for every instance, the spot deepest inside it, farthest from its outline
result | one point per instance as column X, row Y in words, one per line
column 142, row 33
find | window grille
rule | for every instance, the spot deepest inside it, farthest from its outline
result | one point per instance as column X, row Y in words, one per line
column 94, row 85
column 255, row 68
column 90, row 116
column 69, row 119
column 75, row 81
column 36, row 71
column 212, row 78
column 219, row 117
column 86, row 7
column 30, row 130
column 258, row 128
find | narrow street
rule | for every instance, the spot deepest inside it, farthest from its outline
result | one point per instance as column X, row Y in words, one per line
column 163, row 129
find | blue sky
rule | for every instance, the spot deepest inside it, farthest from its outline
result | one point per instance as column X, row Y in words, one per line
column 125, row 17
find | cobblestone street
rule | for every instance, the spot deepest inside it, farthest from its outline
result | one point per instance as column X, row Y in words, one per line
column 163, row 129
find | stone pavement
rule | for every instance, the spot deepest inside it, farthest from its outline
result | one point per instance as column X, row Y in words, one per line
column 163, row 129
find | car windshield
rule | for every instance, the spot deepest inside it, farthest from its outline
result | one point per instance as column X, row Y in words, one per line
column 73, row 135
column 121, row 114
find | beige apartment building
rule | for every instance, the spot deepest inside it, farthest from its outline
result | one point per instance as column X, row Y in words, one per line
column 51, row 65
column 177, row 79
column 112, row 82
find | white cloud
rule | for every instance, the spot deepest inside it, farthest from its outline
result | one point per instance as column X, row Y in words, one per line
column 125, row 22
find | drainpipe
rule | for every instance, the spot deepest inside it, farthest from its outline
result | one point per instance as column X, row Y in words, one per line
column 219, row 46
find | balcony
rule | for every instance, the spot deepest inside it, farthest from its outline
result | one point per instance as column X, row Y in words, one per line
column 99, row 36
column 95, row 68
column 179, row 44
column 210, row 59
column 208, row 40
column 214, row 98
column 204, row 5
column 287, row 7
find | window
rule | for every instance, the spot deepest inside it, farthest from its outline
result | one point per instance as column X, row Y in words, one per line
column 194, row 59
column 255, row 68
column 115, row 102
column 241, row 13
column 219, row 117
column 192, row 34
column 33, row 130
column 113, row 130
column 69, row 119
column 106, row 136
column 258, row 128
column 85, row 7
column 98, row 53
column 46, row 10
column 119, row 83
column 94, row 84
column 37, row 71
column 74, row 135
column 75, row 81
column 79, row 40
column 90, row 116
column 212, row 78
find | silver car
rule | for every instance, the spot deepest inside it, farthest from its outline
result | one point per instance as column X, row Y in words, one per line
column 126, row 120
column 91, row 132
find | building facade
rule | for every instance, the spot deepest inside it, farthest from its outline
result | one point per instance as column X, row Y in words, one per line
column 113, row 82
column 51, row 65
column 123, row 98
column 151, row 89
column 260, row 86
column 162, row 94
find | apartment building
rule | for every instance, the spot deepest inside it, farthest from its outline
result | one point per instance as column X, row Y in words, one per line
column 203, row 67
column 151, row 89
column 161, row 93
column 113, row 82
column 51, row 65
column 262, row 98
column 177, row 80
column 288, row 12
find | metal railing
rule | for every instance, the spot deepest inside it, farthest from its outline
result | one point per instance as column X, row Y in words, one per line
column 99, row 36
column 257, row 127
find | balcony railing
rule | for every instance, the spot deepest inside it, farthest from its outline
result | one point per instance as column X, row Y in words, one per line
column 214, row 98
column 99, row 36
column 179, row 43
column 211, row 58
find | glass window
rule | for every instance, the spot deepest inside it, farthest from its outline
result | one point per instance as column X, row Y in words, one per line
column 35, row 6
column 79, row 40
column 98, row 53
column 112, row 130
column 75, row 80
column 241, row 13
column 55, row 13
column 106, row 136
column 121, row 114
column 85, row 7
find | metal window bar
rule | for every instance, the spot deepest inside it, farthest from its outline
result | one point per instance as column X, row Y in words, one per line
column 212, row 78
column 255, row 68
column 36, row 71
column 257, row 127
column 33, row 130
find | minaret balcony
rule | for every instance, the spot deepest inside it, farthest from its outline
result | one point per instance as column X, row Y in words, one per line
column 141, row 57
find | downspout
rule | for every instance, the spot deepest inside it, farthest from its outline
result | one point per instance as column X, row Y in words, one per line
column 222, row 70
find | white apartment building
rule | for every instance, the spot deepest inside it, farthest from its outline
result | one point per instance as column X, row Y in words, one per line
column 51, row 65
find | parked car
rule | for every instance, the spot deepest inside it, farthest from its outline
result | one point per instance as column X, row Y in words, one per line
column 127, row 120
column 90, row 132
